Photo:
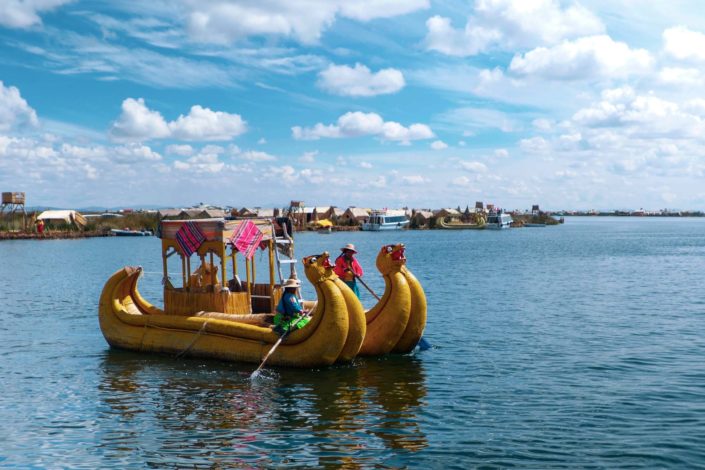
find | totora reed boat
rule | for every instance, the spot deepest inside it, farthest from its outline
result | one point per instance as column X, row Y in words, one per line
column 211, row 314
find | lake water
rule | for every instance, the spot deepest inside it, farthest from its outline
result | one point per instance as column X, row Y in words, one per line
column 581, row 345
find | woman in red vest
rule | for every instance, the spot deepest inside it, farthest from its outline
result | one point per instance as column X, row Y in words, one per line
column 347, row 268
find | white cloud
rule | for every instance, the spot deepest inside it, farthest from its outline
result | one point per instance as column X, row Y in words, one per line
column 138, row 123
column 442, row 37
column 461, row 181
column 584, row 58
column 262, row 141
column 501, row 153
column 439, row 145
column 285, row 173
column 223, row 22
column 356, row 124
column 360, row 81
column 414, row 179
column 255, row 156
column 308, row 157
column 681, row 76
column 14, row 110
column 181, row 150
column 366, row 165
column 25, row 13
column 201, row 163
column 473, row 166
column 684, row 44
column 205, row 124
column 508, row 24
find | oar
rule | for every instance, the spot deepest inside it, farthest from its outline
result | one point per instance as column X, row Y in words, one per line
column 281, row 338
column 366, row 286
column 422, row 344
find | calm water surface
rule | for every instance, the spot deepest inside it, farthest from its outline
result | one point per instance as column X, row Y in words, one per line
column 574, row 346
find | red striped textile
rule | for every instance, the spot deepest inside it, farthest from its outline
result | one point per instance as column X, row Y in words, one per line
column 247, row 238
column 190, row 238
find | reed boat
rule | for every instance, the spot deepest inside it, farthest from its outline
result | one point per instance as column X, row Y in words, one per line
column 479, row 225
column 395, row 324
column 209, row 315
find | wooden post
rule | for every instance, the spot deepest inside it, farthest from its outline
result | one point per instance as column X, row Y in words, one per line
column 223, row 275
column 247, row 273
column 272, row 247
column 212, row 273
column 254, row 272
column 164, row 265
column 188, row 270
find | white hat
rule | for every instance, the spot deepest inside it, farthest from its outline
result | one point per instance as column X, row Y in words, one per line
column 291, row 282
column 349, row 247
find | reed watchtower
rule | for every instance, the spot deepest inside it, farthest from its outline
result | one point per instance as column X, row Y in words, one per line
column 13, row 202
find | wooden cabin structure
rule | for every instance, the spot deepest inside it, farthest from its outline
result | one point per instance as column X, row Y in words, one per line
column 212, row 282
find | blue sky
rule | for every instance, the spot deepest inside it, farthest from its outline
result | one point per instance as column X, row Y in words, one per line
column 375, row 103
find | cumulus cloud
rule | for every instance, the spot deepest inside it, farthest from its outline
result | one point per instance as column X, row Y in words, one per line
column 587, row 57
column 201, row 163
column 360, row 80
column 308, row 157
column 413, row 179
column 223, row 21
column 14, row 110
column 255, row 156
column 204, row 124
column 138, row 123
column 509, row 24
column 181, row 150
column 438, row 145
column 356, row 124
column 681, row 43
column 473, row 166
column 25, row 13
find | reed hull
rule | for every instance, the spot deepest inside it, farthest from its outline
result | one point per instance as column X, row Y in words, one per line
column 129, row 322
column 417, row 316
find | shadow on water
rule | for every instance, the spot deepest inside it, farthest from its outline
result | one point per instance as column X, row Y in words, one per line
column 205, row 413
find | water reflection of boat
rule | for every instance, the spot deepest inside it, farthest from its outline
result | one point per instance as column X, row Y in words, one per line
column 214, row 417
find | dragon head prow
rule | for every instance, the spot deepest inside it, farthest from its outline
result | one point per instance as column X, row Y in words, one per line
column 391, row 258
column 318, row 267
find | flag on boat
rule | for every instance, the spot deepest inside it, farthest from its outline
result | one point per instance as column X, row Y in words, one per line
column 247, row 238
column 190, row 238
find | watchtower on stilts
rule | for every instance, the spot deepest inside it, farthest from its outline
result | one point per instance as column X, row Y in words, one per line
column 11, row 203
column 297, row 215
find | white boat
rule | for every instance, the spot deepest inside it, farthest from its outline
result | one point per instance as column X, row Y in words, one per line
column 130, row 233
column 386, row 220
column 498, row 220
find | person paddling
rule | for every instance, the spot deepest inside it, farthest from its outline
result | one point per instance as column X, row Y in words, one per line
column 289, row 310
column 348, row 269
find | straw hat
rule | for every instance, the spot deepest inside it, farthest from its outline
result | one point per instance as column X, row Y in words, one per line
column 349, row 247
column 291, row 282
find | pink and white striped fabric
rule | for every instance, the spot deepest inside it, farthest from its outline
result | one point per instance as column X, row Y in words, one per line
column 247, row 238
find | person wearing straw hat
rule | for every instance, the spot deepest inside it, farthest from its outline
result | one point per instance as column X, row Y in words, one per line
column 348, row 269
column 289, row 309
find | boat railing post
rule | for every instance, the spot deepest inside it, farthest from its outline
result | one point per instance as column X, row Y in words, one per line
column 272, row 247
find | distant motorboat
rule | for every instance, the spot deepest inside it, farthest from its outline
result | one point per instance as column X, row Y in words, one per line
column 130, row 233
column 385, row 220
column 498, row 220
